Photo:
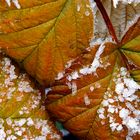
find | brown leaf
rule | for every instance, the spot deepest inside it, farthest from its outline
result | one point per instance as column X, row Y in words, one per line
column 122, row 17
column 43, row 35
column 97, row 96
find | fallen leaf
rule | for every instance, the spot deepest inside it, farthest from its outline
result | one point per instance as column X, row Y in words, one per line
column 122, row 17
column 43, row 35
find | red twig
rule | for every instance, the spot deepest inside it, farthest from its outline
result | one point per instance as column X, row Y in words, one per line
column 107, row 20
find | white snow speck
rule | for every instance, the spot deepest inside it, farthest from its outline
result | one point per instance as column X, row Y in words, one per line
column 16, row 3
column 115, row 2
column 86, row 99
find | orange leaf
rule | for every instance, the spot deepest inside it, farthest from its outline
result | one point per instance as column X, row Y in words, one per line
column 43, row 35
column 97, row 97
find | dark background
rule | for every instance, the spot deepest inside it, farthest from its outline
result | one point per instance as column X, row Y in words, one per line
column 70, row 137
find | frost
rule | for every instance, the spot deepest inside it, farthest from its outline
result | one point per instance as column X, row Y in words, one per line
column 119, row 88
column 24, row 86
column 124, row 113
column 2, row 134
column 87, row 13
column 78, row 7
column 93, row 8
column 59, row 75
column 30, row 122
column 15, row 2
column 115, row 2
column 124, row 104
column 96, row 62
column 13, row 83
column 129, row 24
column 119, row 128
column 47, row 90
column 133, row 123
column 18, row 128
column 74, row 88
column 91, row 88
column 86, row 100
column 21, row 122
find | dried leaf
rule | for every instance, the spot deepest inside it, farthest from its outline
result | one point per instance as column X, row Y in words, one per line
column 22, row 113
column 97, row 98
column 43, row 35
column 122, row 17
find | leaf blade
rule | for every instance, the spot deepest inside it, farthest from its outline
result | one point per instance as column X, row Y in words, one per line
column 63, row 34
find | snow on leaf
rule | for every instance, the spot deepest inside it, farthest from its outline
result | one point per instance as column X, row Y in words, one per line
column 43, row 35
column 107, row 101
column 22, row 113
column 115, row 2
column 15, row 2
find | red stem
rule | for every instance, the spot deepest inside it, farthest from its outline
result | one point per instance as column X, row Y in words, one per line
column 107, row 20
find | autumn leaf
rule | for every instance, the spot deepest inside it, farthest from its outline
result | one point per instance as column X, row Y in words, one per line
column 122, row 17
column 43, row 35
column 22, row 110
column 98, row 95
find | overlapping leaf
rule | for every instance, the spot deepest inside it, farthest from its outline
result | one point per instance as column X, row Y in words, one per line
column 90, row 102
column 43, row 35
column 22, row 113
column 122, row 17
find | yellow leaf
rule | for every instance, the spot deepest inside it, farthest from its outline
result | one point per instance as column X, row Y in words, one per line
column 22, row 110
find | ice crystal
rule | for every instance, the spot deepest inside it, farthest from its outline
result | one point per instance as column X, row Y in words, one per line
column 123, row 103
column 15, row 2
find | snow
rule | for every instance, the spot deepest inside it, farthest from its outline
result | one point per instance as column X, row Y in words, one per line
column 18, row 128
column 124, row 113
column 132, row 123
column 86, row 100
column 74, row 88
column 115, row 2
column 111, row 109
column 101, row 116
column 2, row 134
column 92, row 88
column 113, row 126
column 47, row 90
column 21, row 122
column 119, row 88
column 19, row 133
column 130, row 23
column 15, row 2
column 24, row 86
column 59, row 75
column 87, row 13
column 123, row 103
column 13, row 128
column 78, row 7
column 30, row 122
column 74, row 75
column 105, row 103
column 93, row 8
column 119, row 128
column 96, row 62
